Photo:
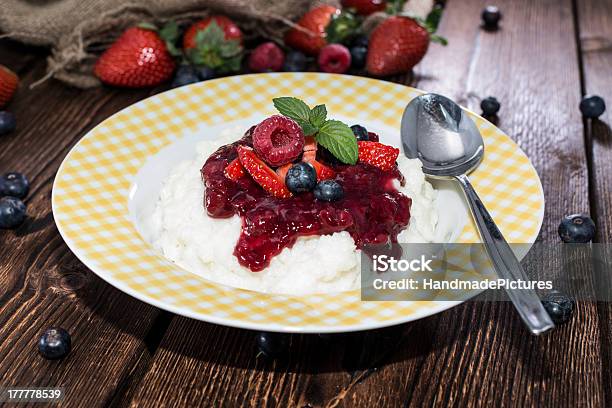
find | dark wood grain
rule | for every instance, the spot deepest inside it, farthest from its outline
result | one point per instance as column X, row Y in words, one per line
column 595, row 36
column 42, row 284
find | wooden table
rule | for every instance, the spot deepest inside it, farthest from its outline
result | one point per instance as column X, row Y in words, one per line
column 545, row 57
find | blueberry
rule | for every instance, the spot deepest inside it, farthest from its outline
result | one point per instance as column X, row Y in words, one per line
column 300, row 178
column 490, row 17
column 358, row 56
column 12, row 212
column 54, row 343
column 204, row 73
column 577, row 229
column 328, row 190
column 14, row 185
column 592, row 106
column 272, row 345
column 360, row 133
column 360, row 41
column 295, row 61
column 185, row 75
column 490, row 106
column 559, row 306
column 7, row 122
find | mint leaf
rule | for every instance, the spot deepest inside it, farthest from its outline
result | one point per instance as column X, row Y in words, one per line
column 307, row 128
column 318, row 114
column 293, row 108
column 339, row 139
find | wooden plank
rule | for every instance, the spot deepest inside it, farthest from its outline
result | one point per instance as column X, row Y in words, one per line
column 42, row 283
column 477, row 353
column 595, row 34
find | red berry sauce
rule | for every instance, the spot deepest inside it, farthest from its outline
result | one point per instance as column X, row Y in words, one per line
column 372, row 210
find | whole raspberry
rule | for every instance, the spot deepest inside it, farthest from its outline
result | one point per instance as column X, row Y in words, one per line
column 278, row 140
column 266, row 57
column 334, row 58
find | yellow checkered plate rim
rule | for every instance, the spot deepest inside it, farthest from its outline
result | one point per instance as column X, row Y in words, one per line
column 90, row 199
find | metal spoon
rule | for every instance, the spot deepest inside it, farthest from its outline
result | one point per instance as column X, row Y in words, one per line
column 446, row 140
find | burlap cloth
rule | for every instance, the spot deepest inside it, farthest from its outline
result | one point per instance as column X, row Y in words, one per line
column 78, row 30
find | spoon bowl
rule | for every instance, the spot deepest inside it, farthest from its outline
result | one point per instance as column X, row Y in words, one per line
column 446, row 140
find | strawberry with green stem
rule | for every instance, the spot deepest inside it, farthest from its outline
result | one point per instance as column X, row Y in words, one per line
column 213, row 50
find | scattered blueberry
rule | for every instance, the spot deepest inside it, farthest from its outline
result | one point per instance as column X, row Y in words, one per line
column 592, row 106
column 328, row 190
column 12, row 212
column 295, row 61
column 360, row 41
column 7, row 122
column 14, row 185
column 54, row 343
column 360, row 133
column 185, row 75
column 358, row 56
column 300, row 178
column 490, row 17
column 204, row 72
column 577, row 229
column 559, row 306
column 272, row 345
column 490, row 106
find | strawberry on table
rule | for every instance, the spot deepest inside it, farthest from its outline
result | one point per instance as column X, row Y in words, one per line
column 315, row 21
column 139, row 58
column 396, row 45
column 230, row 30
column 261, row 173
column 8, row 85
column 377, row 154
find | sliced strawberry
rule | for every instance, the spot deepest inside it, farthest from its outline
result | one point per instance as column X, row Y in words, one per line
column 261, row 173
column 234, row 170
column 310, row 149
column 323, row 172
column 378, row 154
column 309, row 156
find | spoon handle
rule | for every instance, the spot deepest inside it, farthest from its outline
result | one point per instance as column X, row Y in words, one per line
column 526, row 301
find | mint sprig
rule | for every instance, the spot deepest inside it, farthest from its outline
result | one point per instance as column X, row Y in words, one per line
column 334, row 135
